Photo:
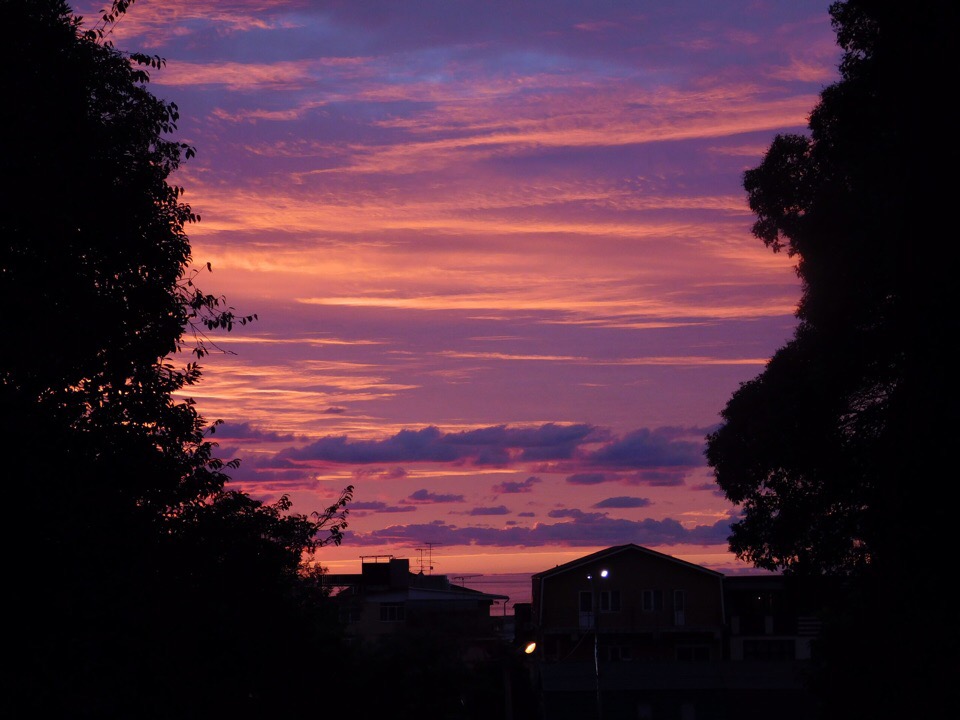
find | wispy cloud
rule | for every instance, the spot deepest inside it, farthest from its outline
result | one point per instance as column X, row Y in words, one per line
column 500, row 252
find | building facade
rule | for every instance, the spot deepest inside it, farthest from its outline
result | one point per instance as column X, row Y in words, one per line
column 385, row 599
column 628, row 632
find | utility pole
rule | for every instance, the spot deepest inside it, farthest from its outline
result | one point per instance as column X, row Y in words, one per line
column 595, row 596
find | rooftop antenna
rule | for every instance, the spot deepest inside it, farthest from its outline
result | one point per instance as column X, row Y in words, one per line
column 426, row 564
column 463, row 578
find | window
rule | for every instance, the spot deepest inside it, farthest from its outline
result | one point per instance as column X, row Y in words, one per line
column 610, row 601
column 679, row 602
column 350, row 614
column 619, row 653
column 652, row 600
column 392, row 612
column 693, row 653
column 769, row 650
column 588, row 618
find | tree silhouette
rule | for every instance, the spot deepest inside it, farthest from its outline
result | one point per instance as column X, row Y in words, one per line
column 839, row 453
column 144, row 587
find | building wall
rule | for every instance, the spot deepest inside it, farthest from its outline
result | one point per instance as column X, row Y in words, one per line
column 631, row 573
column 741, row 650
column 650, row 607
column 771, row 617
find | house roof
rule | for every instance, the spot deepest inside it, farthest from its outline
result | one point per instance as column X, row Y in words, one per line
column 416, row 586
column 618, row 550
column 454, row 592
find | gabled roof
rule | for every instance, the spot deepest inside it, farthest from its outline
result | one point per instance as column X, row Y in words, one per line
column 610, row 552
column 455, row 592
column 419, row 586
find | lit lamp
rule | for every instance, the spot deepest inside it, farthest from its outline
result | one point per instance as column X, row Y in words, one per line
column 596, row 635
column 527, row 648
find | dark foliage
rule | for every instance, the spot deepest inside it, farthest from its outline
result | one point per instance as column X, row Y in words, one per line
column 438, row 673
column 142, row 586
column 840, row 454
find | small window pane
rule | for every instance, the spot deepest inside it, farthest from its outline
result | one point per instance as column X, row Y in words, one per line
column 652, row 600
column 392, row 612
column 610, row 601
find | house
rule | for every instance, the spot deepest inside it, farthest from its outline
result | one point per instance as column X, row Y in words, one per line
column 386, row 599
column 630, row 632
column 771, row 617
column 640, row 604
column 430, row 647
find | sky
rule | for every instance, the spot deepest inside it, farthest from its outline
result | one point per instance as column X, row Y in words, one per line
column 500, row 255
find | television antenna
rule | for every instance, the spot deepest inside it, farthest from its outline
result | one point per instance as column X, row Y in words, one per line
column 464, row 578
column 426, row 563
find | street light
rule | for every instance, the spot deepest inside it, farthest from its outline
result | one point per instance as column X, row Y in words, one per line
column 525, row 649
column 596, row 635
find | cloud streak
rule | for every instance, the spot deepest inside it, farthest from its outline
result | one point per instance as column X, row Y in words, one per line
column 580, row 530
column 500, row 253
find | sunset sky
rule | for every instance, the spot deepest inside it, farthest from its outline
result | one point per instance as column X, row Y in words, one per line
column 500, row 253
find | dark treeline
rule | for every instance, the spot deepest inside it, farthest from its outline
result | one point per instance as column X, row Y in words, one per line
column 140, row 585
column 841, row 454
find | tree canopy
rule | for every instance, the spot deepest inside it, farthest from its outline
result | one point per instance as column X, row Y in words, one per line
column 839, row 455
column 149, row 587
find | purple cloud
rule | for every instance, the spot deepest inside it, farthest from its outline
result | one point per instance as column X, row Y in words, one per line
column 575, row 514
column 709, row 487
column 406, row 445
column 587, row 478
column 375, row 506
column 657, row 477
column 485, row 446
column 547, row 442
column 246, row 431
column 581, row 530
column 645, row 448
column 498, row 510
column 425, row 496
column 623, row 502
column 524, row 486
